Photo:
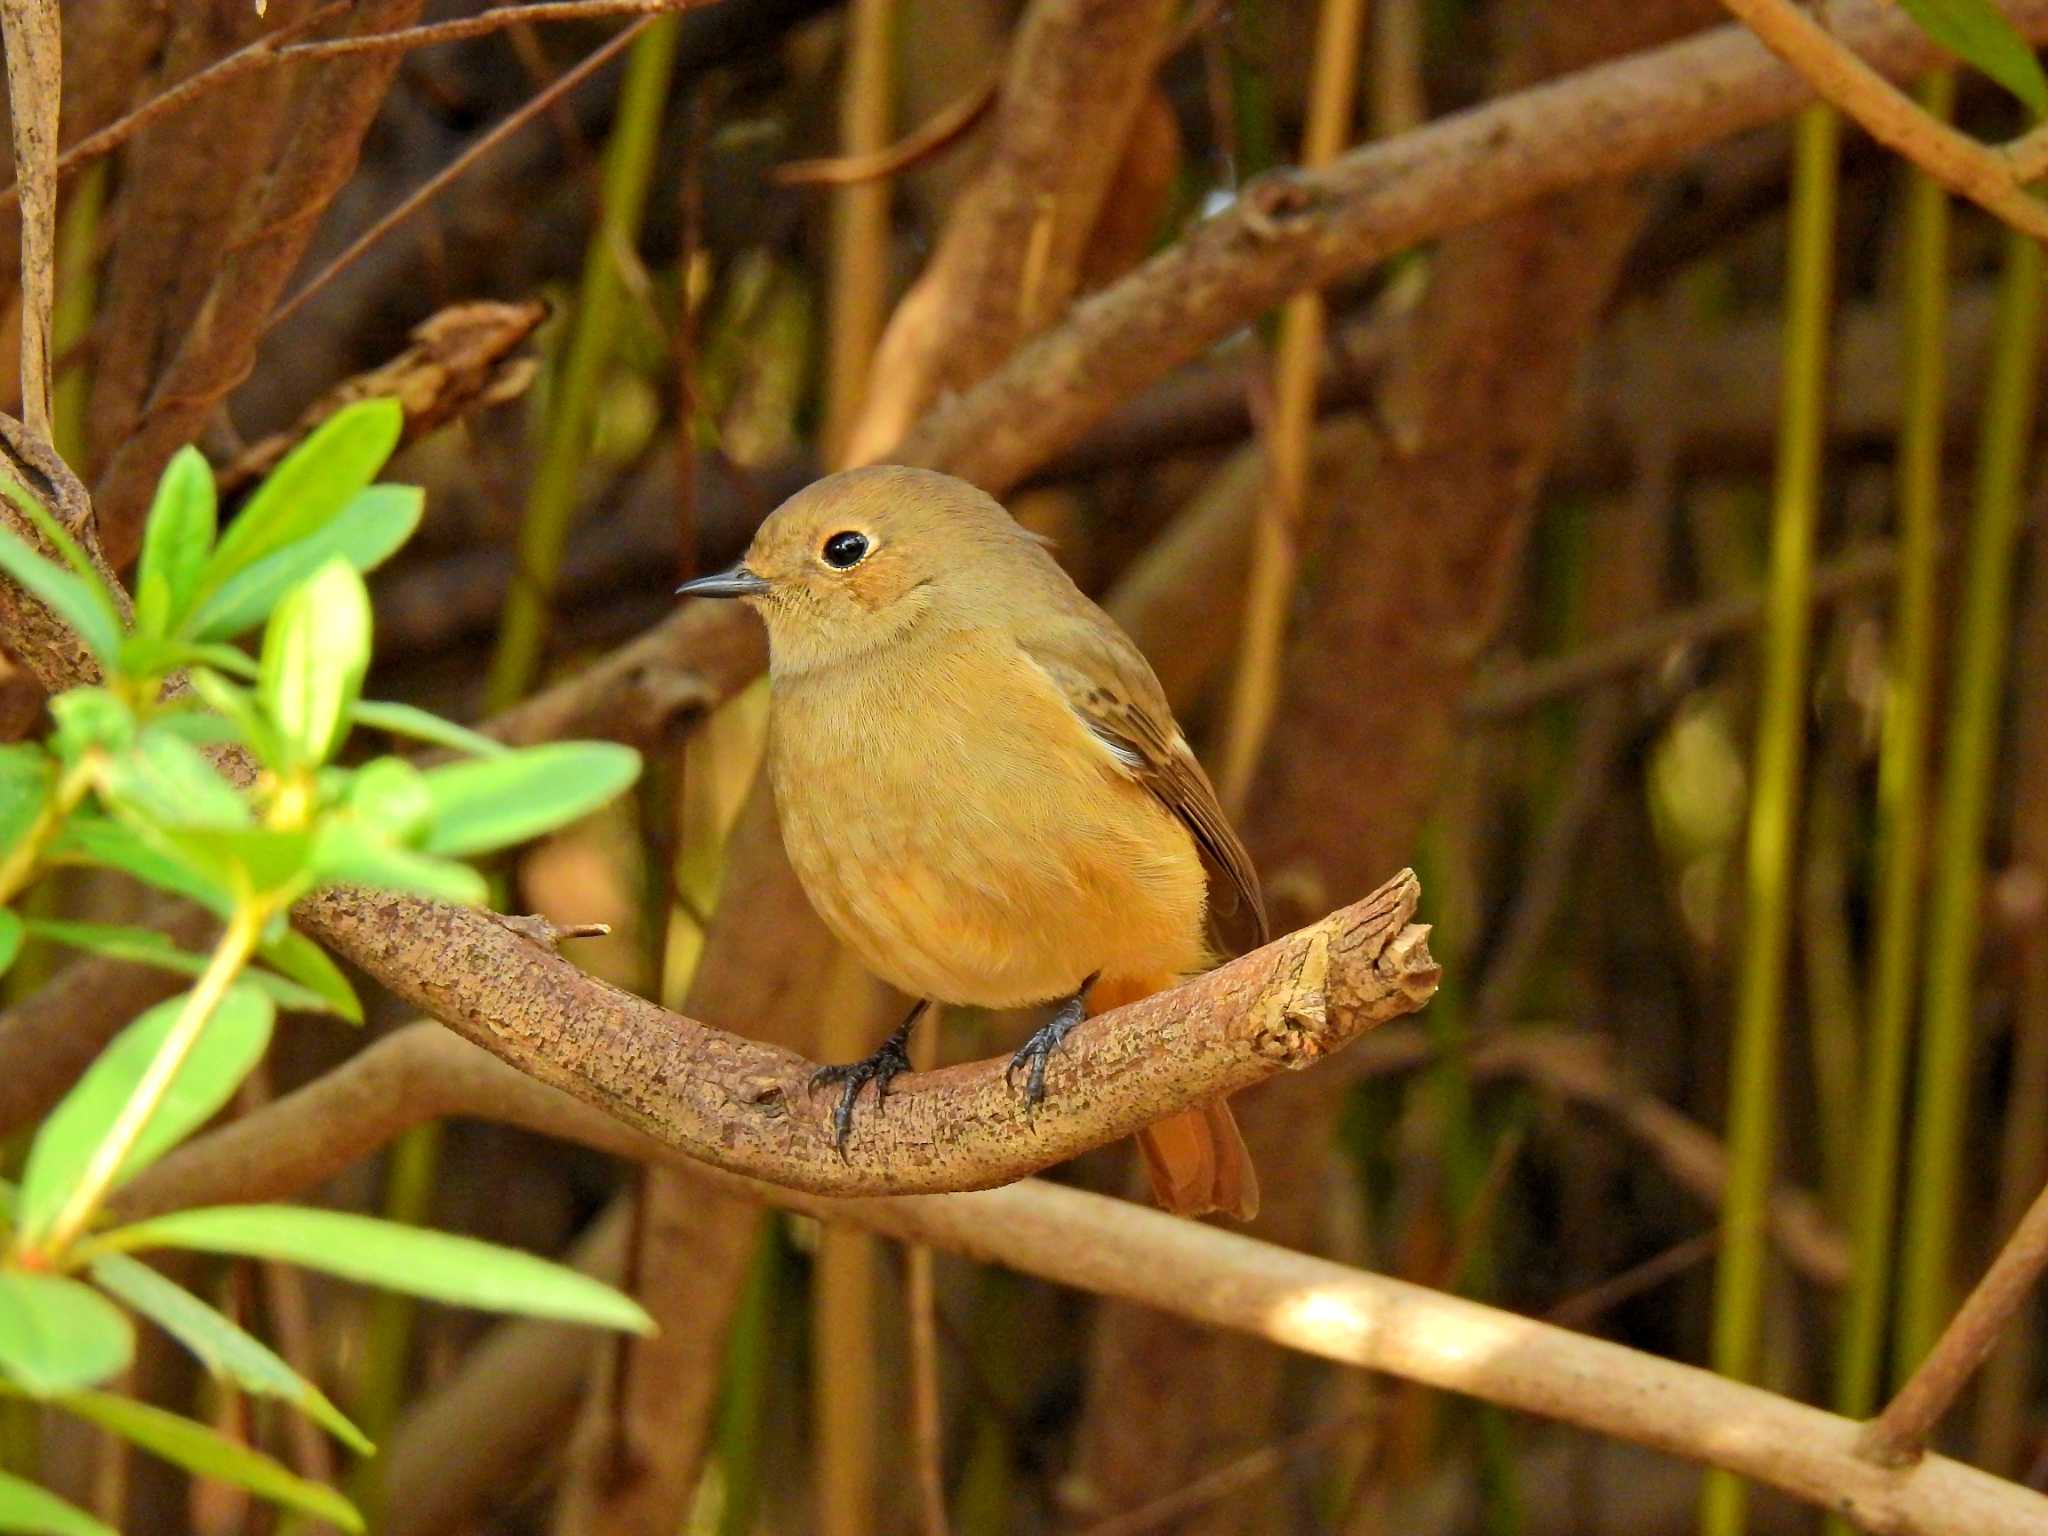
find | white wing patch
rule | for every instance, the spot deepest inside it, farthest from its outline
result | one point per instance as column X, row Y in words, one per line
column 1129, row 756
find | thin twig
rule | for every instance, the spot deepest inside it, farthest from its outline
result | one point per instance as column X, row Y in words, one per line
column 1987, row 175
column 945, row 126
column 275, row 48
column 1898, row 1435
column 432, row 187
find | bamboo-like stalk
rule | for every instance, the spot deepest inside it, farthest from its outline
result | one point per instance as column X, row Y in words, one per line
column 846, row 1403
column 1774, row 805
column 1977, row 688
column 572, row 401
column 2004, row 1402
column 1902, row 786
column 1275, row 554
column 77, row 293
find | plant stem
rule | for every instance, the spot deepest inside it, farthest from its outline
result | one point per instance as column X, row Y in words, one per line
column 572, row 403
column 20, row 865
column 1773, row 813
column 230, row 955
column 1901, row 785
column 1977, row 691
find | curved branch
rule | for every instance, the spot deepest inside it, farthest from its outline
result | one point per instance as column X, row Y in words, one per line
column 1111, row 1247
column 1292, row 230
column 746, row 1107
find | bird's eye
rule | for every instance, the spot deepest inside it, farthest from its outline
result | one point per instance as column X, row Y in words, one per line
column 843, row 551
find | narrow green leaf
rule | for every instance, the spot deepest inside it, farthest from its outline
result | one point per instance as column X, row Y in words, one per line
column 26, row 778
column 10, row 939
column 81, row 604
column 227, row 1351
column 145, row 946
column 57, row 1335
column 420, row 725
column 1977, row 32
column 349, row 853
column 419, row 1262
column 166, row 780
column 496, row 802
column 268, row 859
column 307, row 964
column 368, row 531
column 391, row 795
column 176, row 542
column 185, row 1443
column 233, row 1042
column 315, row 653
column 310, row 487
column 91, row 839
column 91, row 719
column 35, row 1512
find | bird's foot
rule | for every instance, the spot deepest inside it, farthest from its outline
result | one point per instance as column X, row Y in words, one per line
column 1032, row 1053
column 890, row 1060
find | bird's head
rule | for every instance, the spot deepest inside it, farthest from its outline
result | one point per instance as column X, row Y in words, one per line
column 857, row 560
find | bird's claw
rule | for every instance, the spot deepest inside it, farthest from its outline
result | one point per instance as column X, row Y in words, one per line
column 1033, row 1052
column 886, row 1063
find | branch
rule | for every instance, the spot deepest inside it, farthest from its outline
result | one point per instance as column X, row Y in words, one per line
column 1897, row 1436
column 1291, row 230
column 34, row 88
column 1111, row 1247
column 1989, row 177
column 746, row 1107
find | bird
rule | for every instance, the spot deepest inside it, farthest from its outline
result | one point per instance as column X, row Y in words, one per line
column 981, row 786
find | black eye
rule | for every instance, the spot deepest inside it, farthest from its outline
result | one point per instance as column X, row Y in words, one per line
column 843, row 551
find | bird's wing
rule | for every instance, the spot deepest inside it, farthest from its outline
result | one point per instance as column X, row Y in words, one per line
column 1109, row 685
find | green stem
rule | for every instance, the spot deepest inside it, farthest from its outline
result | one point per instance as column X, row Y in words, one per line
column 19, row 867
column 77, row 294
column 1976, row 692
column 1773, row 813
column 628, row 170
column 230, row 955
column 1901, row 786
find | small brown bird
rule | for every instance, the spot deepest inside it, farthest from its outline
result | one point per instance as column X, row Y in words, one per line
column 980, row 784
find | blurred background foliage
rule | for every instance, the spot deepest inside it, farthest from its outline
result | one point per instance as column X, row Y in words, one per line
column 1734, row 840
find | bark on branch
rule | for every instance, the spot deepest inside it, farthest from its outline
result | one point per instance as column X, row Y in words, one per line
column 1292, row 230
column 746, row 1107
column 1199, row 1272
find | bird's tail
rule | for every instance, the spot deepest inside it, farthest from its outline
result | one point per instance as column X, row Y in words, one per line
column 1196, row 1159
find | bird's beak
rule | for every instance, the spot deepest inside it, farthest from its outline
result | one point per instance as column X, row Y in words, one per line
column 733, row 581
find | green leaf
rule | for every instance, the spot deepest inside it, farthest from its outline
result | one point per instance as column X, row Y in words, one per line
column 26, row 1508
column 227, row 1351
column 237, row 705
column 26, row 775
column 232, row 1042
column 94, row 839
column 390, row 795
column 191, row 1445
column 83, row 605
column 91, row 719
column 57, row 1335
column 420, row 725
column 176, row 542
column 166, row 780
column 315, row 653
column 310, row 487
column 495, row 802
column 416, row 1261
column 307, row 964
column 1977, row 32
column 266, row 859
column 10, row 939
column 368, row 531
column 145, row 946
column 349, row 853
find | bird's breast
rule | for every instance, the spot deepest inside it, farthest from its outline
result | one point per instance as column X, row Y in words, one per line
column 956, row 825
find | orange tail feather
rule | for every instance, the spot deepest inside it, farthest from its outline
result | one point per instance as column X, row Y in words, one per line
column 1196, row 1159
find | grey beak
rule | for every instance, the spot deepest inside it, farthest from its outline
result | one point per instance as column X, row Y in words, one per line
column 733, row 581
